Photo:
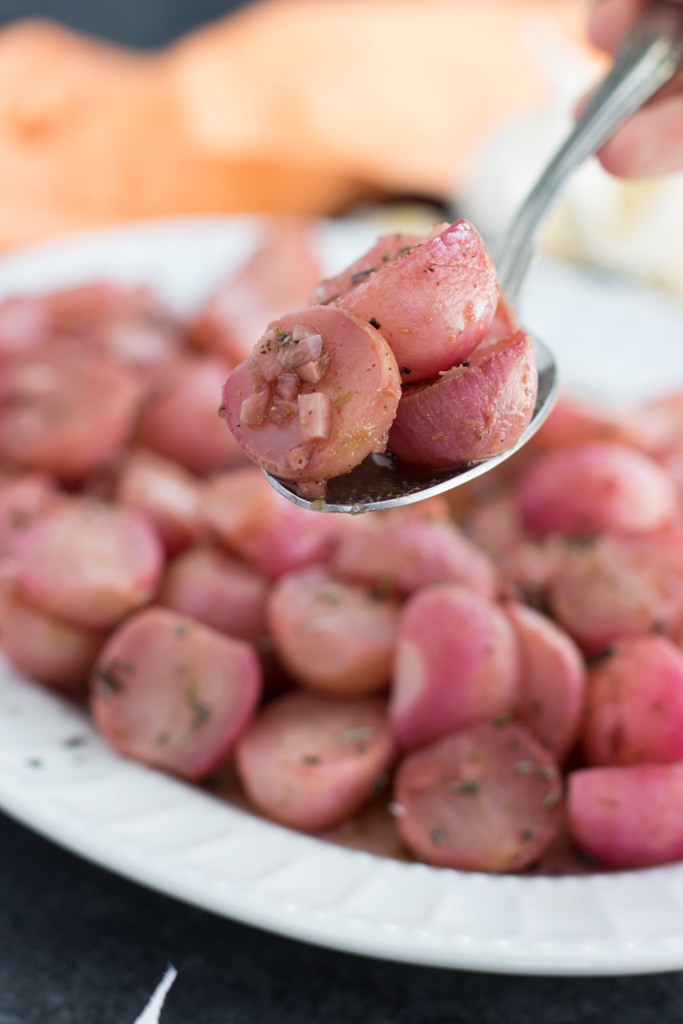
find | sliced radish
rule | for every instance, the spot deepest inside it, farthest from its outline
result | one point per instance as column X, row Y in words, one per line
column 346, row 413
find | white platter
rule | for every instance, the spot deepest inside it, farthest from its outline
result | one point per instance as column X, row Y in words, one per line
column 59, row 778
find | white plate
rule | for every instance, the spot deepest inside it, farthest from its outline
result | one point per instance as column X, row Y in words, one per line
column 57, row 776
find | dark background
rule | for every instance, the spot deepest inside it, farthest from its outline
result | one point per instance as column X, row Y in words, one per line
column 138, row 23
column 79, row 945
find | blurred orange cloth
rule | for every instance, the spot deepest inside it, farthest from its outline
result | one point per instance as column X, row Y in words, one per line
column 289, row 105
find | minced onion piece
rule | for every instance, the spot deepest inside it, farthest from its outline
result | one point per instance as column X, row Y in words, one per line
column 315, row 416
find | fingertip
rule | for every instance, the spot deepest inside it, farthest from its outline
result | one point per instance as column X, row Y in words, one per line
column 649, row 144
column 610, row 20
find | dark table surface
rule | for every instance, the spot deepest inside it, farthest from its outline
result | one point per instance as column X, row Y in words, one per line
column 79, row 945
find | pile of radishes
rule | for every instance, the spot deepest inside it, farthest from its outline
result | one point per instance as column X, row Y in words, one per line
column 411, row 349
column 506, row 692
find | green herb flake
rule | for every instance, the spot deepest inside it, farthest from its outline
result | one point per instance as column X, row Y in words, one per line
column 362, row 274
column 75, row 741
column 439, row 836
column 311, row 759
column 524, row 767
column 107, row 680
column 527, row 835
column 551, row 800
column 465, row 786
column 384, row 588
column 357, row 733
column 200, row 714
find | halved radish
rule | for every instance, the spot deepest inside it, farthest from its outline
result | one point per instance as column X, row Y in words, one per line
column 433, row 304
column 399, row 553
column 180, row 417
column 484, row 798
column 217, row 589
column 66, row 411
column 309, row 761
column 167, row 493
column 552, row 679
column 248, row 516
column 628, row 817
column 456, row 662
column 386, row 249
column 89, row 562
column 473, row 411
column 634, row 712
column 170, row 692
column 300, row 437
column 334, row 637
column 44, row 646
column 24, row 498
column 587, row 489
column 616, row 586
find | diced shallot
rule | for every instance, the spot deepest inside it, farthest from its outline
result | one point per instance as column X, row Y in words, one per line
column 254, row 410
column 315, row 370
column 302, row 347
column 315, row 416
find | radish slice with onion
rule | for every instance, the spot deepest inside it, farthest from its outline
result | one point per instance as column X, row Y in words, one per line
column 312, row 430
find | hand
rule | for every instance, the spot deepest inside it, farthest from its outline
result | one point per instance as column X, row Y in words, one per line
column 651, row 142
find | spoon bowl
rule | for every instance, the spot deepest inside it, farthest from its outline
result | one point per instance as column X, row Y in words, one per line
column 383, row 481
column 649, row 56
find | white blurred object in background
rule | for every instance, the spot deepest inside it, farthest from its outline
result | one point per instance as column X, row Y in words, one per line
column 632, row 227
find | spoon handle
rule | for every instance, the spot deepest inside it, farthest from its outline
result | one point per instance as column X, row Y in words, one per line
column 648, row 57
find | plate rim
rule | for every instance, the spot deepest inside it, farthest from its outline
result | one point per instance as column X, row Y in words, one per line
column 611, row 952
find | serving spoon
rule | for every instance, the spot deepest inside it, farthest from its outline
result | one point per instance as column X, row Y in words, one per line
column 649, row 56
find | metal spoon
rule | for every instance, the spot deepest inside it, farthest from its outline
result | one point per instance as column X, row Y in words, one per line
column 648, row 58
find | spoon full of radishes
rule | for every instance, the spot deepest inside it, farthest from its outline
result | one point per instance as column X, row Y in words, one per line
column 410, row 374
